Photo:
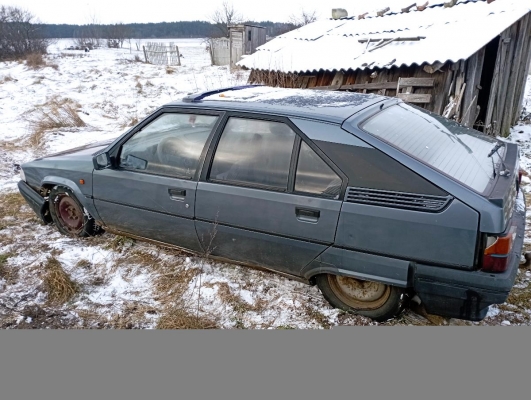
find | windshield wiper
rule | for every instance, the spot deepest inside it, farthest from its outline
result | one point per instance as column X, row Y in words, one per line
column 505, row 171
column 498, row 146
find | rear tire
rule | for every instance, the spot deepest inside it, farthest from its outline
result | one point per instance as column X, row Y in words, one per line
column 377, row 301
column 69, row 215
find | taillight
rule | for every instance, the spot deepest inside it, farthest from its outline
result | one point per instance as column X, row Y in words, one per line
column 496, row 255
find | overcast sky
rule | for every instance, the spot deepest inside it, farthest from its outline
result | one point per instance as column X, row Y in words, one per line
column 112, row 11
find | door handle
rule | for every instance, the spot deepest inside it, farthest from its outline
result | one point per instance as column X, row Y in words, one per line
column 306, row 215
column 177, row 194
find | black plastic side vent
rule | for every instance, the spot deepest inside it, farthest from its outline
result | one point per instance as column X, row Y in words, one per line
column 407, row 201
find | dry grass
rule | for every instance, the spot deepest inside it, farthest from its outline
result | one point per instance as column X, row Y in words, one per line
column 176, row 317
column 7, row 273
column 12, row 211
column 128, row 122
column 36, row 61
column 56, row 113
column 57, row 283
column 7, row 78
column 170, row 70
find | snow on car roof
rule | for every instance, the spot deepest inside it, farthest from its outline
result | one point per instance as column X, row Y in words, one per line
column 328, row 105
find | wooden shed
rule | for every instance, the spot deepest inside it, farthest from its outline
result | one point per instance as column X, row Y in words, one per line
column 244, row 40
column 464, row 59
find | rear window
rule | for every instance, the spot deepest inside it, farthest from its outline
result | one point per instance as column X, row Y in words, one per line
column 453, row 149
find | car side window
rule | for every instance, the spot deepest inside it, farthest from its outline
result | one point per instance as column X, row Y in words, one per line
column 314, row 176
column 171, row 145
column 254, row 152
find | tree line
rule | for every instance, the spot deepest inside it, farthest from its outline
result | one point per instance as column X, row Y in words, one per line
column 160, row 30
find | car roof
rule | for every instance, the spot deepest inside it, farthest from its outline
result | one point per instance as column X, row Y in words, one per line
column 325, row 105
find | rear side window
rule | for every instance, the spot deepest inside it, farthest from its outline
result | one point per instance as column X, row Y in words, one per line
column 314, row 176
column 442, row 144
column 254, row 152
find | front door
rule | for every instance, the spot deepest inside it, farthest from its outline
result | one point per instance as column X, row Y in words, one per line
column 267, row 199
column 151, row 193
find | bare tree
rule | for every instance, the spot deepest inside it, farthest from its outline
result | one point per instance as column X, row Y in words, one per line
column 90, row 35
column 117, row 34
column 226, row 16
column 304, row 17
column 20, row 34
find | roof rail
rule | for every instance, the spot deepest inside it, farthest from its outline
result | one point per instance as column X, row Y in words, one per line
column 197, row 97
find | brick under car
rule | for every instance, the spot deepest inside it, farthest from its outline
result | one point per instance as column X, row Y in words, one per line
column 370, row 198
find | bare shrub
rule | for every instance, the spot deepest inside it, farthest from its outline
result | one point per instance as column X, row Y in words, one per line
column 20, row 35
column 169, row 70
column 35, row 61
column 57, row 283
column 56, row 113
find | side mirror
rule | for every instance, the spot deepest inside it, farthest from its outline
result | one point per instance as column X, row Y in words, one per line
column 101, row 161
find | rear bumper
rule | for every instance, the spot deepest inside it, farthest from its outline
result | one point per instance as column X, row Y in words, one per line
column 468, row 295
column 35, row 201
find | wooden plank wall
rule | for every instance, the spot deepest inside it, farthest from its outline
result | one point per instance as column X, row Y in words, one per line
column 508, row 85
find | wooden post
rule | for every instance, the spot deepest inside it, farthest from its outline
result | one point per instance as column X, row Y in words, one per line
column 473, row 78
column 494, row 87
column 524, row 71
column 502, row 94
column 145, row 54
column 513, row 79
column 178, row 56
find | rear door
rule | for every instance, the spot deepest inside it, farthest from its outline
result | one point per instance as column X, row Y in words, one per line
column 266, row 197
column 152, row 191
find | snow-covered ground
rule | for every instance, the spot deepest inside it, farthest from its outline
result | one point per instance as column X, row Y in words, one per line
column 121, row 283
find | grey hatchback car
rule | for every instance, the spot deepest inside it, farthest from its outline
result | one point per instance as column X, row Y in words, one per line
column 370, row 198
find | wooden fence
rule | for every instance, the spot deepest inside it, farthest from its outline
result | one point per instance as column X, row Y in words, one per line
column 162, row 54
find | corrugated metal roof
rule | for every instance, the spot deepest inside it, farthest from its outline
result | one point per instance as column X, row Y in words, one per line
column 448, row 34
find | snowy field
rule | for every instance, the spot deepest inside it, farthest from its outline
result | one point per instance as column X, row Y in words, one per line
column 51, row 281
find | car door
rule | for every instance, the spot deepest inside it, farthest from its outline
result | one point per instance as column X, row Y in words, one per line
column 267, row 198
column 151, row 191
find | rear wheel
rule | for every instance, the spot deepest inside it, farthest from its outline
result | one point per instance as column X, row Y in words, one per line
column 370, row 299
column 69, row 215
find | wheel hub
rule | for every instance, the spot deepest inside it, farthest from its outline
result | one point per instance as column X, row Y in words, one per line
column 359, row 294
column 70, row 214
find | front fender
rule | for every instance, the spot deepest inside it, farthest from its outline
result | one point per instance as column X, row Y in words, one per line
column 85, row 200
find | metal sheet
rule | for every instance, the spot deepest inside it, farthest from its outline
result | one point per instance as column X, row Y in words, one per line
column 448, row 34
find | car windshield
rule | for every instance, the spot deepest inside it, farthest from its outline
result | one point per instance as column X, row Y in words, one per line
column 459, row 152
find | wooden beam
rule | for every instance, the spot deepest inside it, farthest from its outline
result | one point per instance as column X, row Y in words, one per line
column 398, row 39
column 408, row 8
column 525, row 72
column 513, row 78
column 382, row 12
column 473, row 79
column 371, row 86
column 416, row 82
column 441, row 97
column 494, row 88
column 502, row 94
column 415, row 98
column 430, row 69
column 423, row 7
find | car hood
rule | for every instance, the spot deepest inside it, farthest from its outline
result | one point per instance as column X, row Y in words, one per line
column 82, row 151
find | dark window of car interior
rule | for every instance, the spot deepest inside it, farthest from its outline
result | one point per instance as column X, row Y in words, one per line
column 171, row 145
column 315, row 176
column 254, row 152
column 458, row 151
column 367, row 167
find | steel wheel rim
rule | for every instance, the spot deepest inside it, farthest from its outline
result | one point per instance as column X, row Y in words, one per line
column 359, row 294
column 69, row 214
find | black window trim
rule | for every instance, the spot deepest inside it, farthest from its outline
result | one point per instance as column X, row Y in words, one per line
column 299, row 138
column 115, row 151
